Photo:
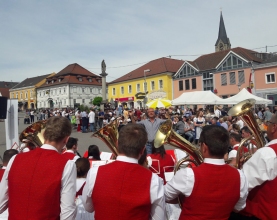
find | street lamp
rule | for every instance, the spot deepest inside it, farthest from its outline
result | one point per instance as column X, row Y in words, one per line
column 239, row 86
column 145, row 90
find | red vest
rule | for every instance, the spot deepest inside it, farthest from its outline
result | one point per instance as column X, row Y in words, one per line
column 35, row 185
column 215, row 192
column 68, row 155
column 1, row 173
column 262, row 200
column 122, row 192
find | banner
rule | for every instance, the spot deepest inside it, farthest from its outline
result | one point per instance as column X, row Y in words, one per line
column 11, row 124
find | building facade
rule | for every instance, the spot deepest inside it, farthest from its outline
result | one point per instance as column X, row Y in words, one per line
column 71, row 87
column 5, row 87
column 153, row 78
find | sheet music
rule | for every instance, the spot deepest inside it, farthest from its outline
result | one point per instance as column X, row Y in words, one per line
column 105, row 155
column 173, row 211
column 180, row 154
column 98, row 163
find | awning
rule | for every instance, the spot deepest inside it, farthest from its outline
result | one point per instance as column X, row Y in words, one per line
column 125, row 99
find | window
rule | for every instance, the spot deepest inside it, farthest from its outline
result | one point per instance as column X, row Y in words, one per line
column 90, row 90
column 83, row 101
column 46, row 82
column 74, row 101
column 60, row 91
column 187, row 84
column 161, row 86
column 60, row 80
column 232, row 78
column 26, row 95
column 223, row 79
column 129, row 89
column 270, row 78
column 113, row 91
column 181, row 85
column 90, row 80
column 152, row 85
column 122, row 90
column 31, row 94
column 232, row 62
column 138, row 87
column 241, row 77
column 224, row 96
column 83, row 89
column 80, row 79
column 186, row 71
column 64, row 90
column 21, row 95
column 52, row 81
column 193, row 83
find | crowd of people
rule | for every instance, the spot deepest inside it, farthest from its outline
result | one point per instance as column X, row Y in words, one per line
column 130, row 187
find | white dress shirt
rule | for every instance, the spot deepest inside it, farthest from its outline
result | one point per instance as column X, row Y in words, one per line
column 68, row 188
column 91, row 116
column 183, row 183
column 72, row 152
column 156, row 191
column 262, row 166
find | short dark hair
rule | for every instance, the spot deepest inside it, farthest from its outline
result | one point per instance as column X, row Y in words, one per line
column 235, row 136
column 83, row 166
column 246, row 129
column 216, row 138
column 8, row 154
column 71, row 142
column 57, row 128
column 132, row 139
column 93, row 151
column 160, row 150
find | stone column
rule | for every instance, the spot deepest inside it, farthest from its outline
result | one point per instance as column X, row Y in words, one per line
column 103, row 75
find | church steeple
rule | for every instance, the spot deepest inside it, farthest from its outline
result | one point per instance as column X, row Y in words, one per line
column 223, row 42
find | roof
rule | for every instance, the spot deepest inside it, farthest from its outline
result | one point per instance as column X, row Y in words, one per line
column 75, row 69
column 30, row 81
column 210, row 61
column 4, row 92
column 158, row 66
column 9, row 85
column 222, row 35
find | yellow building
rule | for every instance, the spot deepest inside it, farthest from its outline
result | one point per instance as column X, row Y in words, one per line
column 25, row 91
column 154, row 78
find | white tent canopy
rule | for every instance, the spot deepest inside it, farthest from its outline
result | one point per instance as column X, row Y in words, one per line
column 198, row 98
column 243, row 95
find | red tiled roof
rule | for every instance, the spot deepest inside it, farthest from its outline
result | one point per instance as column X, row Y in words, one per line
column 5, row 92
column 75, row 68
column 158, row 66
column 210, row 61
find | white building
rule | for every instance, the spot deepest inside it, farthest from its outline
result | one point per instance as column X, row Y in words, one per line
column 72, row 86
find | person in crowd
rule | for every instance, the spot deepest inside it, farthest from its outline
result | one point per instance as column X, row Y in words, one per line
column 246, row 133
column 217, row 111
column 45, row 175
column 100, row 118
column 180, row 126
column 199, row 122
column 260, row 114
column 78, row 120
column 71, row 152
column 239, row 122
column 151, row 125
column 137, row 192
column 8, row 154
column 223, row 122
column 162, row 162
column 267, row 114
column 260, row 170
column 205, row 196
column 91, row 117
column 235, row 129
column 93, row 153
column 84, row 121
column 189, row 135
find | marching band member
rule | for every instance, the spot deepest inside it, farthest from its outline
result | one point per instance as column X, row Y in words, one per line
column 71, row 149
column 245, row 133
column 41, row 184
column 235, row 140
column 213, row 189
column 260, row 170
column 125, row 190
column 8, row 154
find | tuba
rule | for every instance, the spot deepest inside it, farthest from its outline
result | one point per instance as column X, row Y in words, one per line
column 243, row 110
column 32, row 136
column 165, row 134
column 109, row 135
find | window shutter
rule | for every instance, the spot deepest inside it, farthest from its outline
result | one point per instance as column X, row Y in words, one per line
column 223, row 79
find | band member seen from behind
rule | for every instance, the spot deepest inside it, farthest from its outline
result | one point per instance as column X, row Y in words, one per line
column 41, row 184
column 124, row 189
column 93, row 153
column 151, row 124
column 213, row 189
column 8, row 154
column 71, row 149
column 260, row 171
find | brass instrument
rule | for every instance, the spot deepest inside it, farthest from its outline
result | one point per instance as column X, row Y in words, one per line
column 109, row 135
column 243, row 111
column 33, row 135
column 165, row 134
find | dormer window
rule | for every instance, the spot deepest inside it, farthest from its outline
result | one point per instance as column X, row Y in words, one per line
column 60, row 80
column 80, row 79
column 46, row 82
column 90, row 80
column 52, row 81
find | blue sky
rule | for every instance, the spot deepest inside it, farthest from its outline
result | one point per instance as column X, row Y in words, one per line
column 41, row 37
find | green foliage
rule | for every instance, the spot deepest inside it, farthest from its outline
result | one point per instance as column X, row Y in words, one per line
column 83, row 108
column 97, row 101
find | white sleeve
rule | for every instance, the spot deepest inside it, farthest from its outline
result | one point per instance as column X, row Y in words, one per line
column 4, row 191
column 243, row 192
column 181, row 183
column 88, row 188
column 262, row 166
column 157, row 198
column 68, row 191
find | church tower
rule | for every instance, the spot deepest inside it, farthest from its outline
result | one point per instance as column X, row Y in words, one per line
column 223, row 42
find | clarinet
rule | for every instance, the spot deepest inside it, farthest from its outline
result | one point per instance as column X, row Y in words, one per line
column 78, row 154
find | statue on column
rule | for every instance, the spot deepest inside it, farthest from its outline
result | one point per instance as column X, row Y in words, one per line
column 103, row 66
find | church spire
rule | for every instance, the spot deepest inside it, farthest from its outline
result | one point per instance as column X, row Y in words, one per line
column 223, row 42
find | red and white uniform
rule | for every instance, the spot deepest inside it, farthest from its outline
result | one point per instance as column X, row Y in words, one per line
column 136, row 194
column 2, row 172
column 70, row 155
column 212, row 190
column 33, row 189
column 260, row 171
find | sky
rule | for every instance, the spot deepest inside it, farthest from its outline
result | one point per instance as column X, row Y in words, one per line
column 40, row 37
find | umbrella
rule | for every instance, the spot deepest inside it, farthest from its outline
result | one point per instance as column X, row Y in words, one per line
column 159, row 103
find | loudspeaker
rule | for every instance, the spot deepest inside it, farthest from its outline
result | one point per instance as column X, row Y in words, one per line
column 3, row 107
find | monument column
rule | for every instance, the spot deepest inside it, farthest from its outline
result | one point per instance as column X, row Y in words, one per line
column 103, row 75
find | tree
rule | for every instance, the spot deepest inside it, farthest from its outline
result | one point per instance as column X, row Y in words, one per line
column 97, row 101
